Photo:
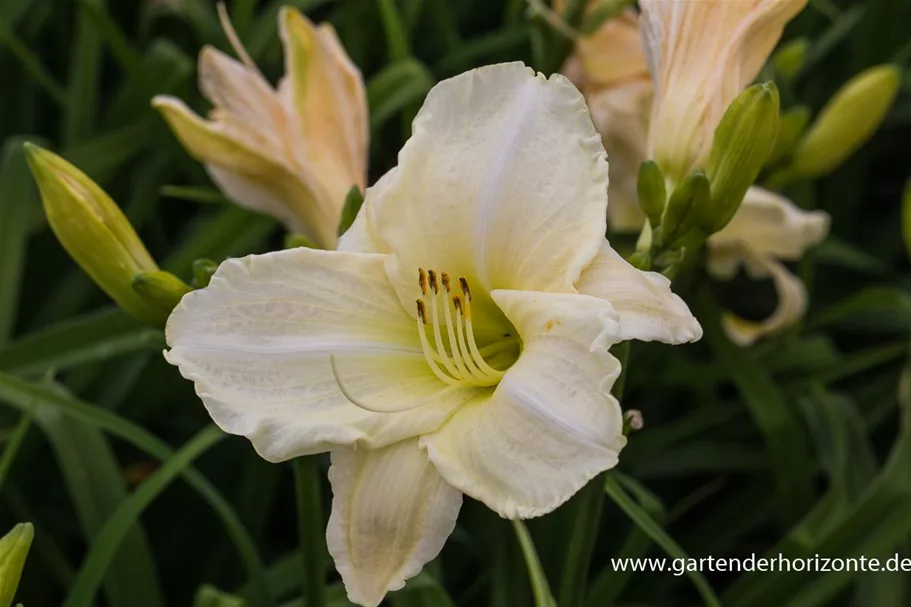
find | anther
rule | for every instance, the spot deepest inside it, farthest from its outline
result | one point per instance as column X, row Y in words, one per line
column 465, row 290
column 421, row 312
column 422, row 281
column 433, row 281
column 457, row 304
column 444, row 277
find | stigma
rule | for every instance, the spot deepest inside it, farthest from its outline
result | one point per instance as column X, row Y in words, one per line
column 456, row 359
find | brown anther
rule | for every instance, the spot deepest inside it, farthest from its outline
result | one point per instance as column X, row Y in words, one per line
column 444, row 278
column 421, row 312
column 465, row 290
column 457, row 303
column 433, row 281
column 422, row 281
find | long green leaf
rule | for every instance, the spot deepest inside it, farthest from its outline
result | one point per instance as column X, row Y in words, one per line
column 539, row 587
column 18, row 199
column 781, row 427
column 96, row 485
column 113, row 534
column 92, row 338
column 23, row 394
column 658, row 535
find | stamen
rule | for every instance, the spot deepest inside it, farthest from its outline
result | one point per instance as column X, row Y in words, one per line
column 465, row 290
column 463, row 347
column 422, row 281
column 462, row 363
column 458, row 355
column 431, row 354
column 234, row 39
column 472, row 344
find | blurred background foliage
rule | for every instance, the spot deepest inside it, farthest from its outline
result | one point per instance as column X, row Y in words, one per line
column 800, row 445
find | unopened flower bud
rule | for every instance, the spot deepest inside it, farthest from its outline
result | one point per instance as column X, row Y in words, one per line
column 203, row 269
column 13, row 551
column 790, row 57
column 743, row 141
column 161, row 289
column 847, row 121
column 683, row 208
column 792, row 126
column 652, row 191
column 94, row 231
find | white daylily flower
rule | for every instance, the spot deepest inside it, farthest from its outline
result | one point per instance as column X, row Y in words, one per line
column 293, row 152
column 766, row 228
column 458, row 340
column 702, row 54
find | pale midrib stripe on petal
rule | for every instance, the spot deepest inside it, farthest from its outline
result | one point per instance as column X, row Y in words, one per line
column 490, row 190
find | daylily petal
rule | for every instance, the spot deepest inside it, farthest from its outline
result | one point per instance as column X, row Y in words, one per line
column 701, row 55
column 249, row 176
column 257, row 342
column 551, row 424
column 647, row 309
column 621, row 115
column 503, row 169
column 770, row 224
column 327, row 94
column 391, row 514
column 792, row 302
column 614, row 52
column 242, row 95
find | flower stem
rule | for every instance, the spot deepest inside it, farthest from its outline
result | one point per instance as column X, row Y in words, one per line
column 310, row 529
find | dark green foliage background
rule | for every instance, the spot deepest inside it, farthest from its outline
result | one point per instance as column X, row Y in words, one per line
column 797, row 445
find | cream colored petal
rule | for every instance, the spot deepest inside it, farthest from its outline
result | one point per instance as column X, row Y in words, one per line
column 770, row 224
column 503, row 171
column 551, row 424
column 701, row 55
column 621, row 115
column 391, row 514
column 328, row 96
column 792, row 303
column 647, row 308
column 257, row 343
column 614, row 53
column 243, row 94
column 253, row 178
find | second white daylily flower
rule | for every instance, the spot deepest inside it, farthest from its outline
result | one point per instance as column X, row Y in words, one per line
column 458, row 340
column 767, row 227
column 293, row 153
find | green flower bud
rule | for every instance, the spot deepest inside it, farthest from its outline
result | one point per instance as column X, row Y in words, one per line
column 13, row 550
column 790, row 58
column 161, row 289
column 681, row 215
column 203, row 269
column 792, row 126
column 847, row 121
column 652, row 191
column 743, row 141
column 94, row 231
